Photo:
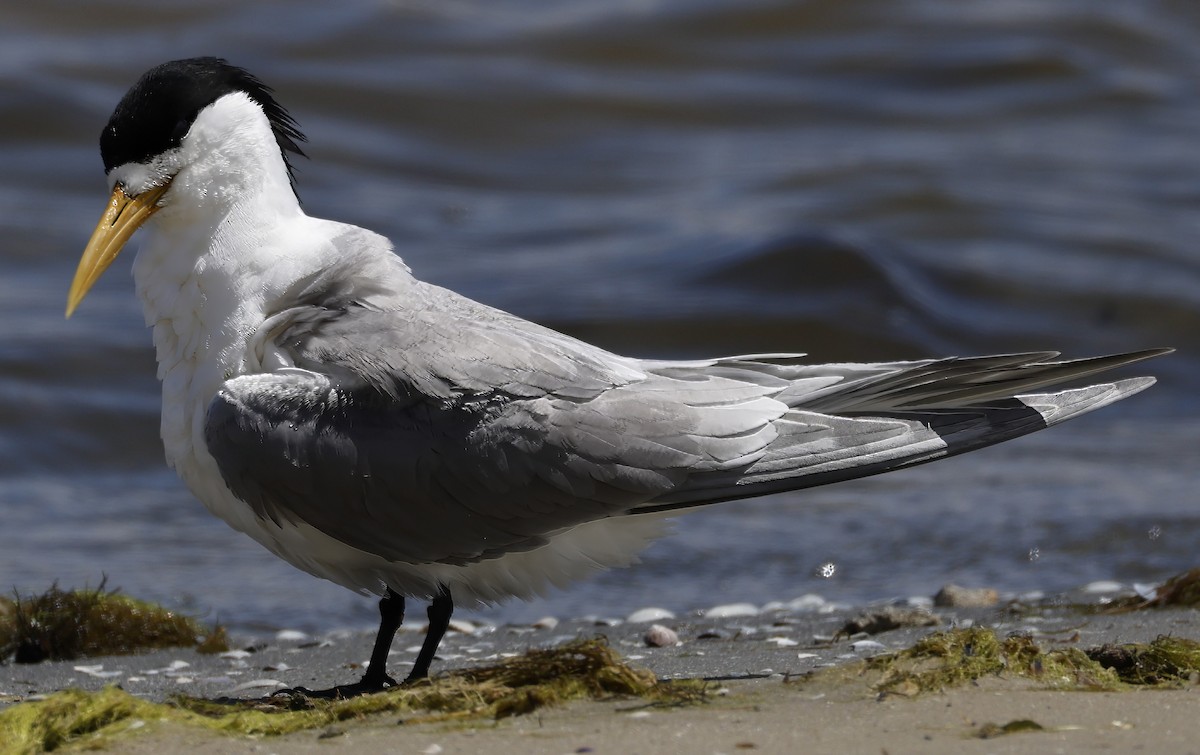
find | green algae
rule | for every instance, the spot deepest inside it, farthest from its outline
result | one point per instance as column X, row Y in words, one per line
column 1165, row 662
column 69, row 624
column 587, row 669
column 73, row 716
column 946, row 659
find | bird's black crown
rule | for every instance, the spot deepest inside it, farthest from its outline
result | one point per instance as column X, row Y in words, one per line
column 156, row 113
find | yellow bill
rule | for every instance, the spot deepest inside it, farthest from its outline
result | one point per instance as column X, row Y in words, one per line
column 123, row 216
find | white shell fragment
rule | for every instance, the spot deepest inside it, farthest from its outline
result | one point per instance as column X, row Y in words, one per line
column 731, row 610
column 236, row 655
column 658, row 636
column 1103, row 586
column 462, row 627
column 867, row 646
column 259, row 684
column 807, row 602
column 643, row 615
column 98, row 671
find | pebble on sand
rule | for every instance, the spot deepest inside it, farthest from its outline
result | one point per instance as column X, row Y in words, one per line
column 867, row 646
column 1103, row 586
column 807, row 602
column 953, row 596
column 643, row 615
column 462, row 626
column 731, row 610
column 658, row 636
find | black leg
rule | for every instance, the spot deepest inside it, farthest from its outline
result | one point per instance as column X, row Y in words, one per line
column 391, row 616
column 440, row 611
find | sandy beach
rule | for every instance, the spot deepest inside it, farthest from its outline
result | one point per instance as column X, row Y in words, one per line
column 778, row 680
column 767, row 716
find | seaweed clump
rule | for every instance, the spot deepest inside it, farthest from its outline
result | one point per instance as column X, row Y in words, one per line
column 1167, row 661
column 69, row 624
column 991, row 730
column 515, row 686
column 578, row 670
column 1179, row 591
column 586, row 669
column 70, row 716
column 944, row 659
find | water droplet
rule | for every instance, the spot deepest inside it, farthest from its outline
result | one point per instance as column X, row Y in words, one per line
column 1155, row 532
column 827, row 570
column 1035, row 553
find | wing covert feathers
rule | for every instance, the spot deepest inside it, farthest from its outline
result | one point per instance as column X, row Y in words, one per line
column 453, row 433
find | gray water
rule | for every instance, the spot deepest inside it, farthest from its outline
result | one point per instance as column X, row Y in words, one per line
column 857, row 180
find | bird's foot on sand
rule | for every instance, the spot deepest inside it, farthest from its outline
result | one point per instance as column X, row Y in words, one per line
column 365, row 686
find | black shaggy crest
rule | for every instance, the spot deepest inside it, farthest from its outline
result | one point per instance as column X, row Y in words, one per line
column 157, row 112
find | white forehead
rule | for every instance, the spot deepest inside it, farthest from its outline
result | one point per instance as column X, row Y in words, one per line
column 138, row 177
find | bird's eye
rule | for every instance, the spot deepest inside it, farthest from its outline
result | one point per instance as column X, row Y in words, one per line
column 180, row 130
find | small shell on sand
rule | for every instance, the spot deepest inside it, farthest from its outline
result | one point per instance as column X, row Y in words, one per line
column 867, row 646
column 461, row 626
column 643, row 615
column 731, row 610
column 966, row 597
column 658, row 636
column 807, row 602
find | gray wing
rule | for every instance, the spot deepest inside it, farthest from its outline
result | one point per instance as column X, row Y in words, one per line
column 424, row 427
column 871, row 418
column 470, row 477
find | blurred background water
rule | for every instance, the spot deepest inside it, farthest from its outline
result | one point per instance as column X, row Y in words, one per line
column 858, row 180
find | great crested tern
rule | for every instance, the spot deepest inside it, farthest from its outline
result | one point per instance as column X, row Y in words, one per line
column 404, row 441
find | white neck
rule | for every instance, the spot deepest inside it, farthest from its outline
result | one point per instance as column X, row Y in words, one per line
column 216, row 258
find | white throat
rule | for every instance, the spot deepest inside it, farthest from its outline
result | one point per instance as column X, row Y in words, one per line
column 214, row 258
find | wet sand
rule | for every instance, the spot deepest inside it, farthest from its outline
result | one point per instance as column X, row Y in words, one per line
column 769, row 716
column 761, row 696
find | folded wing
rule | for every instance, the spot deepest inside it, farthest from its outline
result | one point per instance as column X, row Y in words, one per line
column 452, row 433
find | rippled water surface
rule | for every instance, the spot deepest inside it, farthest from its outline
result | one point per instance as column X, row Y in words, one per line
column 858, row 180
